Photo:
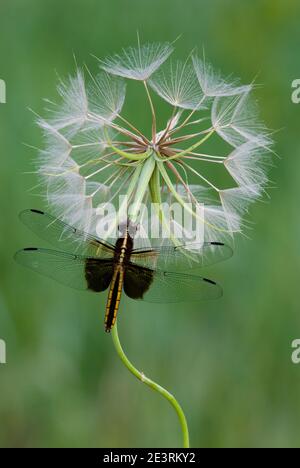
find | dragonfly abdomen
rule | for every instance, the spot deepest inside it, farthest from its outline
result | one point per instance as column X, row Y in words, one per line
column 114, row 298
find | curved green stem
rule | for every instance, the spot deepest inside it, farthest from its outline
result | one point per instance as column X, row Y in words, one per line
column 157, row 388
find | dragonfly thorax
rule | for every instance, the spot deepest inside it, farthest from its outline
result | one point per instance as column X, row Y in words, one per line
column 123, row 249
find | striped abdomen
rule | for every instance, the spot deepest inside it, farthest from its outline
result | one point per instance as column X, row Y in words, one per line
column 114, row 297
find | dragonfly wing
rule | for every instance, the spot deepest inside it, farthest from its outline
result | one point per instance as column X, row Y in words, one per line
column 65, row 237
column 166, row 287
column 182, row 257
column 71, row 270
column 137, row 281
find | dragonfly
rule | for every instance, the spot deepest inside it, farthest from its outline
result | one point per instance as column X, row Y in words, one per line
column 86, row 262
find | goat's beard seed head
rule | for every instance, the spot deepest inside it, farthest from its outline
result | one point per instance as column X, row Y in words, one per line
column 92, row 152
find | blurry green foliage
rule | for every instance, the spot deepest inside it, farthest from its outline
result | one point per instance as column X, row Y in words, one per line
column 228, row 362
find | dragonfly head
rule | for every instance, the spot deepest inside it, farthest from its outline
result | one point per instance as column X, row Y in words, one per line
column 128, row 227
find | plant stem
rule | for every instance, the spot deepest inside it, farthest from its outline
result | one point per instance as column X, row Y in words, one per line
column 140, row 376
column 142, row 187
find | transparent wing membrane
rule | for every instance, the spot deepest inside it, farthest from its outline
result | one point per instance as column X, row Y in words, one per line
column 67, row 269
column 167, row 287
column 65, row 237
column 182, row 258
column 150, row 274
column 172, row 258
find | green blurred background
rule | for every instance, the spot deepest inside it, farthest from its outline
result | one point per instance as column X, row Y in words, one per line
column 228, row 362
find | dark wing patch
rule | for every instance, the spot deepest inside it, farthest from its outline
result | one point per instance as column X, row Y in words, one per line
column 137, row 281
column 98, row 274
